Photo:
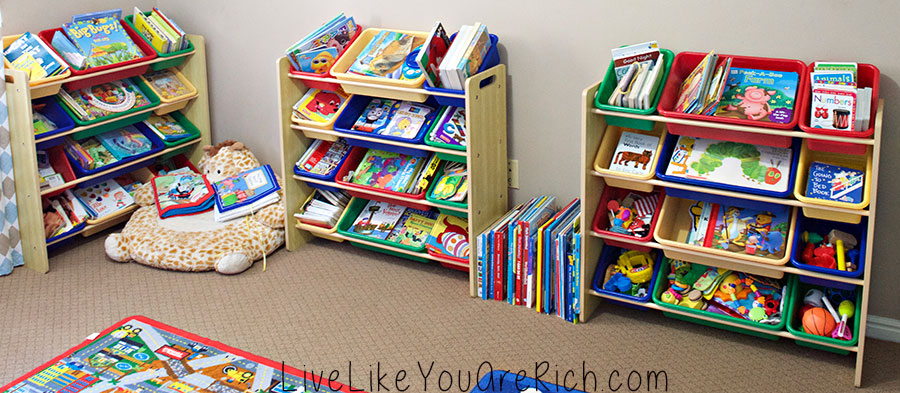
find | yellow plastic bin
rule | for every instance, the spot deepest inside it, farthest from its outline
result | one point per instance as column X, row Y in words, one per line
column 389, row 90
column 41, row 87
column 858, row 162
column 327, row 126
column 156, row 80
column 674, row 225
column 608, row 148
column 318, row 231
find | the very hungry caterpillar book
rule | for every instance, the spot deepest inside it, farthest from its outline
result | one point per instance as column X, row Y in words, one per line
column 761, row 95
column 731, row 163
column 739, row 229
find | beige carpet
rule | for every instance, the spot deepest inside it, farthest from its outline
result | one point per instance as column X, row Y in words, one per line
column 332, row 303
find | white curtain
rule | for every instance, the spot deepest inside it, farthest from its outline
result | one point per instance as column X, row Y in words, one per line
column 10, row 244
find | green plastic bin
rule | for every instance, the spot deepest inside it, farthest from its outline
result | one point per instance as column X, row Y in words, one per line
column 349, row 217
column 795, row 322
column 163, row 64
column 187, row 125
column 442, row 145
column 123, row 118
column 662, row 286
column 609, row 85
column 389, row 252
column 429, row 198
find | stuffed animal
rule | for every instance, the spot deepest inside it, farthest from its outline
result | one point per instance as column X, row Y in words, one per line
column 197, row 242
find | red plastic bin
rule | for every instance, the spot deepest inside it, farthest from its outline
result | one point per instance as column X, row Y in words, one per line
column 682, row 66
column 149, row 54
column 387, row 196
column 601, row 219
column 325, row 81
column 867, row 75
column 61, row 165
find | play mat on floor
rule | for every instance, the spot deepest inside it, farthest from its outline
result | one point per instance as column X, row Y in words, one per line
column 138, row 354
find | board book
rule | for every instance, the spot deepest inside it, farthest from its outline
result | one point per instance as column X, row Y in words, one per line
column 451, row 127
column 731, row 163
column 323, row 157
column 320, row 106
column 449, row 237
column 692, row 89
column 385, row 54
column 166, row 127
column 182, row 194
column 377, row 219
column 246, row 190
column 835, row 183
column 408, row 119
column 317, row 51
column 387, row 170
column 167, row 85
column 432, row 53
column 376, row 115
column 760, row 95
column 634, row 153
column 104, row 198
column 740, row 229
column 125, row 142
column 101, row 100
column 30, row 54
column 413, row 227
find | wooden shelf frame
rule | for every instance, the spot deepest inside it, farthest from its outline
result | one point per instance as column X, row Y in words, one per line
column 593, row 125
column 22, row 141
column 486, row 155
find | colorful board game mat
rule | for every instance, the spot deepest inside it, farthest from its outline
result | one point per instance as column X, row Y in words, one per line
column 140, row 355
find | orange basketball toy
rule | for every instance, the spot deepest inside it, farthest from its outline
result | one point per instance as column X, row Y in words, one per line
column 818, row 321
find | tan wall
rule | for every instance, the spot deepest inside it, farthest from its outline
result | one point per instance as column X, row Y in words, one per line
column 553, row 50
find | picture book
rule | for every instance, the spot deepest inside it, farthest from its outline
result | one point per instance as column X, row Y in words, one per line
column 68, row 50
column 432, row 53
column 736, row 164
column 102, row 41
column 452, row 184
column 101, row 100
column 623, row 57
column 387, row 170
column 177, row 30
column 376, row 115
column 377, row 219
column 413, row 227
column 753, row 232
column 245, row 188
column 451, row 128
column 166, row 84
column 182, row 194
column 89, row 153
column 634, row 153
column 125, row 142
column 319, row 105
column 28, row 53
column 115, row 13
column 450, row 237
column 835, row 183
column 760, row 95
column 716, row 88
column 833, row 107
column 385, row 54
column 323, row 157
column 42, row 123
column 408, row 120
column 695, row 84
column 104, row 198
column 68, row 213
column 317, row 60
column 323, row 208
column 166, row 127
column 475, row 53
column 335, row 34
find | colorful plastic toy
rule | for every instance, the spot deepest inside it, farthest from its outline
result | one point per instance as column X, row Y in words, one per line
column 847, row 309
column 636, row 265
column 817, row 321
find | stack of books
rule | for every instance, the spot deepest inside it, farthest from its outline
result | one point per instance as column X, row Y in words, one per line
column 89, row 153
column 639, row 70
column 161, row 31
column 323, row 157
column 317, row 51
column 182, row 193
column 95, row 39
column 323, row 208
column 63, row 213
column 28, row 53
column 447, row 64
column 42, row 123
column 245, row 193
column 837, row 102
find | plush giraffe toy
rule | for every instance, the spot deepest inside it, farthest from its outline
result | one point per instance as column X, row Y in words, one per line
column 197, row 242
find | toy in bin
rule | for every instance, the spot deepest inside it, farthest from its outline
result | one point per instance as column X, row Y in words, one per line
column 736, row 294
column 633, row 214
column 631, row 274
column 836, row 251
column 820, row 317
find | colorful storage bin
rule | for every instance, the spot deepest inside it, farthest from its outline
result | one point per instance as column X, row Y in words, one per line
column 491, row 59
column 41, row 87
column 122, row 118
column 170, row 61
column 804, row 224
column 685, row 62
column 53, row 111
column 331, row 176
column 325, row 81
column 157, row 145
column 609, row 256
column 867, row 76
column 795, row 321
column 387, row 88
column 609, row 85
column 356, row 106
column 322, row 232
column 861, row 163
column 349, row 216
column 192, row 92
column 607, row 149
column 601, row 220
column 373, row 193
column 61, row 165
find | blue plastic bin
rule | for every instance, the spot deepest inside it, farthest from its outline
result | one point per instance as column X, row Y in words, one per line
column 328, row 177
column 608, row 256
column 492, row 59
column 666, row 155
column 154, row 140
column 822, row 228
column 354, row 110
column 56, row 114
column 74, row 230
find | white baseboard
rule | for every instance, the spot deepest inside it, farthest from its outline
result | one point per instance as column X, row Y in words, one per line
column 882, row 328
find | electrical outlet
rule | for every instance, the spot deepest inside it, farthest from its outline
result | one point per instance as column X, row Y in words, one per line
column 512, row 174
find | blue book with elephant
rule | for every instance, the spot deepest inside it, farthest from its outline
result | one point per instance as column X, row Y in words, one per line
column 742, row 230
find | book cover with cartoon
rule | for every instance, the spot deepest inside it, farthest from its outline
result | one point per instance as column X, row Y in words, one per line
column 634, row 153
column 452, row 127
column 731, row 163
column 759, row 95
column 835, row 183
column 408, row 120
column 450, row 236
column 319, row 105
column 761, row 233
column 377, row 219
column 376, row 115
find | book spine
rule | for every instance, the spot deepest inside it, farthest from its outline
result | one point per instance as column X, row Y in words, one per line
column 498, row 265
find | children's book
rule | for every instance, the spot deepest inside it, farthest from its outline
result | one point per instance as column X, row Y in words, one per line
column 387, row 170
column 182, row 194
column 335, row 34
column 323, row 157
column 451, row 128
column 319, row 105
column 42, row 123
column 760, row 95
column 28, row 53
column 102, row 41
column 634, row 153
column 432, row 53
column 474, row 54
column 450, row 237
column 246, row 192
column 166, row 84
column 104, row 198
column 166, row 127
column 154, row 33
column 115, row 13
column 716, row 88
column 413, row 227
column 377, row 219
column 835, row 183
column 741, row 229
column 408, row 120
column 129, row 184
column 623, row 57
column 90, row 153
column 68, row 50
column 125, row 142
column 317, row 60
column 737, row 164
column 376, row 115
column 385, row 54
column 452, row 184
column 323, row 208
column 104, row 99
column 694, row 86
column 833, row 107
